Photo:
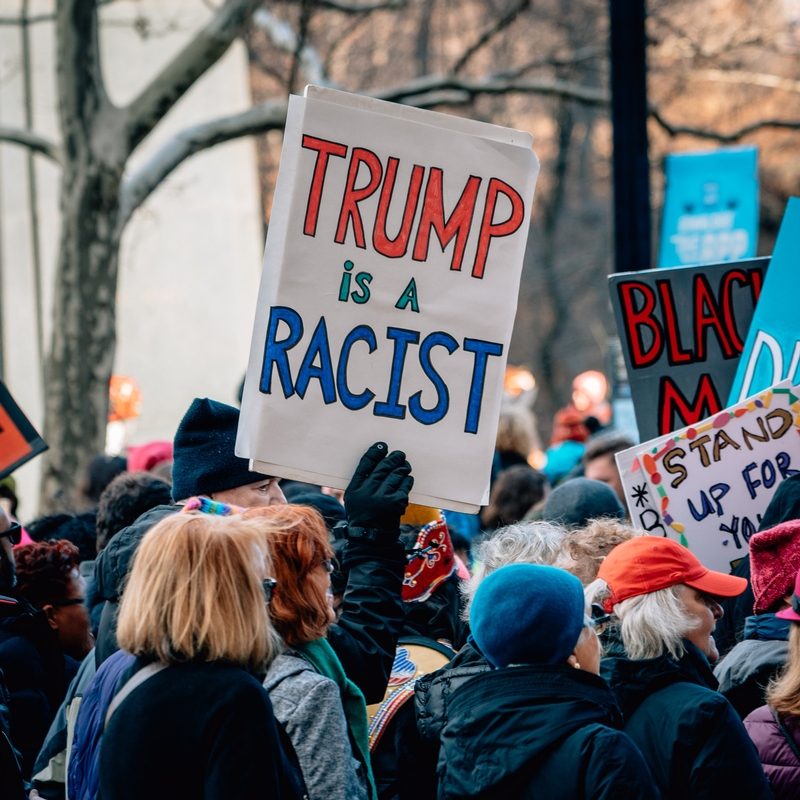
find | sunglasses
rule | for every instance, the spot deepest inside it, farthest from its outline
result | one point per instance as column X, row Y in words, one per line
column 13, row 533
column 598, row 617
column 269, row 585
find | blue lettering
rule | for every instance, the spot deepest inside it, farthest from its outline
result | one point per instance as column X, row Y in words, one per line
column 354, row 402
column 391, row 408
column 275, row 351
column 752, row 485
column 482, row 352
column 324, row 372
column 424, row 415
column 783, row 462
column 717, row 492
column 704, row 511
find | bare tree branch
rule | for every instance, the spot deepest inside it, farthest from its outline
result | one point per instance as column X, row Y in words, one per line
column 492, row 30
column 135, row 188
column 362, row 8
column 413, row 92
column 32, row 141
column 751, row 78
column 583, row 54
column 734, row 136
column 202, row 52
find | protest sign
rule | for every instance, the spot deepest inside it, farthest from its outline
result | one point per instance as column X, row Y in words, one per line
column 710, row 207
column 19, row 441
column 772, row 348
column 708, row 485
column 681, row 331
column 388, row 295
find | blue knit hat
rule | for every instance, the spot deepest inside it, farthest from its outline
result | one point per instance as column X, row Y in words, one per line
column 527, row 614
column 203, row 452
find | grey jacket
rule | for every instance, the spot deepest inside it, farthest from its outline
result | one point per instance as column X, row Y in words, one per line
column 309, row 707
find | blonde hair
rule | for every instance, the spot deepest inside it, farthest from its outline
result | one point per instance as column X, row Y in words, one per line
column 783, row 693
column 585, row 548
column 195, row 592
column 515, row 431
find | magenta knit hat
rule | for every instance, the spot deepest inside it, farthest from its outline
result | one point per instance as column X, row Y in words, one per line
column 774, row 563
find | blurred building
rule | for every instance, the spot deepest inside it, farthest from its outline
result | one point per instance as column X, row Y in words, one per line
column 191, row 256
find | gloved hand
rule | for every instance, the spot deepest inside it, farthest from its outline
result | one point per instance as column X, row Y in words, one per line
column 378, row 492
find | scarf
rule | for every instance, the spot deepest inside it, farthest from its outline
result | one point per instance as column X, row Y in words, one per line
column 322, row 657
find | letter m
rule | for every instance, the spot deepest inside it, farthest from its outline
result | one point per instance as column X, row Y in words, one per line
column 672, row 401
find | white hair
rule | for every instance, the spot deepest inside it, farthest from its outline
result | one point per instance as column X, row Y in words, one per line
column 532, row 542
column 652, row 624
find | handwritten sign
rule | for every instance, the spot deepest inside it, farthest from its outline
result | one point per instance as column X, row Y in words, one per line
column 710, row 207
column 19, row 441
column 772, row 349
column 682, row 331
column 388, row 295
column 707, row 485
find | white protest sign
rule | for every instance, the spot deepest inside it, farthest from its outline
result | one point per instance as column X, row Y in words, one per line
column 707, row 485
column 388, row 295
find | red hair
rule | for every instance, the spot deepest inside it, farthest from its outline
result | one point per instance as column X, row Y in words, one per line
column 298, row 542
column 45, row 571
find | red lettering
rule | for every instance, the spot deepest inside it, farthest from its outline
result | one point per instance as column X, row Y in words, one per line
column 671, row 401
column 352, row 196
column 756, row 281
column 457, row 225
column 396, row 248
column 676, row 354
column 735, row 275
column 324, row 149
column 704, row 299
column 634, row 319
column 491, row 230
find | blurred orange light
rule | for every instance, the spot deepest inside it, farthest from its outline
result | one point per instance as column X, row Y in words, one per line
column 518, row 380
column 125, row 398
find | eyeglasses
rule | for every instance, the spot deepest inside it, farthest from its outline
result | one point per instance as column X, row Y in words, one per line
column 329, row 566
column 597, row 619
column 13, row 533
column 269, row 585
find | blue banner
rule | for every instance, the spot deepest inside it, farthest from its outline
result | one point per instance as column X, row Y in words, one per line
column 772, row 349
column 710, row 207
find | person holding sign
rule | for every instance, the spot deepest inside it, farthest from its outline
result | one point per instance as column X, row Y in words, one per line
column 665, row 601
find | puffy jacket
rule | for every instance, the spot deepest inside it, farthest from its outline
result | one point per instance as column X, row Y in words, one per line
column 689, row 734
column 36, row 673
column 365, row 637
column 746, row 671
column 539, row 732
column 780, row 763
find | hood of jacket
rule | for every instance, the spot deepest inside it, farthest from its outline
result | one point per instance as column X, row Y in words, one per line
column 502, row 720
column 114, row 562
column 634, row 681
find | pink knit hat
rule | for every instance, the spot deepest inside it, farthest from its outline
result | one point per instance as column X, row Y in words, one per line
column 774, row 563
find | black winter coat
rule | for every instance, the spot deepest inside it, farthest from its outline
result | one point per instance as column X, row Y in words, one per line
column 204, row 731
column 539, row 732
column 364, row 639
column 689, row 734
column 36, row 673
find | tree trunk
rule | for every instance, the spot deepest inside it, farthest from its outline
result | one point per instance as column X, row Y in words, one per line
column 84, row 334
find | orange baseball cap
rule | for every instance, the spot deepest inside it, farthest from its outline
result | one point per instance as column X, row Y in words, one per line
column 646, row 564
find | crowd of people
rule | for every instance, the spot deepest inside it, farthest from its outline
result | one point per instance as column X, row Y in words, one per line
column 203, row 631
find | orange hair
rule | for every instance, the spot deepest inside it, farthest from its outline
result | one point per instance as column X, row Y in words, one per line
column 298, row 542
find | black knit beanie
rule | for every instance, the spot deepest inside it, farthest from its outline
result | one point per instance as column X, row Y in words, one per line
column 204, row 460
column 575, row 502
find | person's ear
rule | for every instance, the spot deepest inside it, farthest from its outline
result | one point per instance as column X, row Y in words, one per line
column 572, row 661
column 50, row 612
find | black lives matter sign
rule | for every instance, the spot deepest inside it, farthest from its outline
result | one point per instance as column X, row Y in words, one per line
column 682, row 331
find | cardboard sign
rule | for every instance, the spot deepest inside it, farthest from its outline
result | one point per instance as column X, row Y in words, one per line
column 708, row 485
column 710, row 207
column 772, row 349
column 19, row 441
column 388, row 295
column 682, row 331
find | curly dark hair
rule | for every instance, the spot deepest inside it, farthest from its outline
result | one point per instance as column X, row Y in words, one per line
column 45, row 571
column 78, row 529
column 125, row 499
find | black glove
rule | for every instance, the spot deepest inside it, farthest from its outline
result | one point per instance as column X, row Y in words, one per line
column 378, row 494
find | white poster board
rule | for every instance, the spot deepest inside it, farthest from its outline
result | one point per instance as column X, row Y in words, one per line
column 388, row 295
column 707, row 485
